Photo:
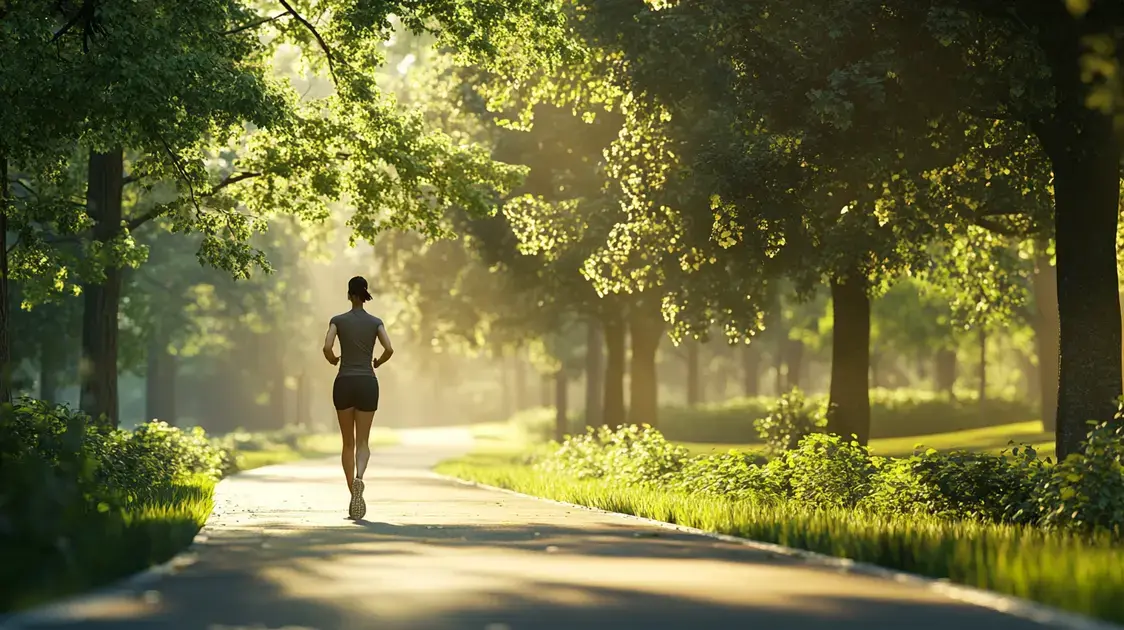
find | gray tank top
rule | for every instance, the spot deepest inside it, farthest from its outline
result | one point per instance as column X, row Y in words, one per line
column 357, row 331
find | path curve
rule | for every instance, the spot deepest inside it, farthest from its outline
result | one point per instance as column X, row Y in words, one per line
column 278, row 553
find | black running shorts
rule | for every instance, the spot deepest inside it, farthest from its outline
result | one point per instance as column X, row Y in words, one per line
column 360, row 392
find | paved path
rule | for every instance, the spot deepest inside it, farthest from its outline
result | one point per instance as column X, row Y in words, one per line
column 435, row 555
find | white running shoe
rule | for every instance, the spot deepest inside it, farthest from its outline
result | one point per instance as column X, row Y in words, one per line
column 358, row 506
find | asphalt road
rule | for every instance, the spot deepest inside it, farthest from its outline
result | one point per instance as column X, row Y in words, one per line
column 435, row 555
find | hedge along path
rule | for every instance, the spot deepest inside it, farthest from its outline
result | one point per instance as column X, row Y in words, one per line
column 437, row 554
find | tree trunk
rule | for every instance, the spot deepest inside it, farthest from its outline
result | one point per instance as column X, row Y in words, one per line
column 850, row 359
column 102, row 300
column 520, row 381
column 645, row 330
column 693, row 397
column 1081, row 144
column 561, row 400
column 160, row 381
column 751, row 369
column 615, row 339
column 5, row 341
column 304, row 400
column 946, row 372
column 594, row 374
column 981, row 395
column 1046, row 333
column 794, row 363
column 545, row 394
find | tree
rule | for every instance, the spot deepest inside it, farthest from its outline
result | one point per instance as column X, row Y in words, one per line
column 196, row 106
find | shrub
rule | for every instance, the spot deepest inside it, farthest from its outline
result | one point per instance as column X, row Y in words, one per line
column 826, row 471
column 961, row 485
column 635, row 455
column 735, row 475
column 893, row 413
column 790, row 419
column 68, row 484
column 49, row 477
column 823, row 471
column 1085, row 491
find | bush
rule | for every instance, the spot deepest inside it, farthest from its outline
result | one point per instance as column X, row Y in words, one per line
column 1083, row 494
column 961, row 485
column 826, row 471
column 70, row 487
column 734, row 475
column 893, row 413
column 790, row 419
column 1085, row 491
column 634, row 455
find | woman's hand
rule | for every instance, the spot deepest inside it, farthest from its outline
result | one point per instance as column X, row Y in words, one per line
column 333, row 359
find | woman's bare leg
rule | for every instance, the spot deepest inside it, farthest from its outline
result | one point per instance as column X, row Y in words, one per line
column 363, row 421
column 346, row 419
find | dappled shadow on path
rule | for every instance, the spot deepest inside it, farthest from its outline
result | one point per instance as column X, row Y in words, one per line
column 544, row 576
column 436, row 555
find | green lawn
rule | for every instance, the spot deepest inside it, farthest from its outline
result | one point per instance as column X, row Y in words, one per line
column 988, row 439
column 1083, row 576
column 309, row 447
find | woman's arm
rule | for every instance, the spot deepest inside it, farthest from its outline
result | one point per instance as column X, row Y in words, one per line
column 387, row 349
column 329, row 345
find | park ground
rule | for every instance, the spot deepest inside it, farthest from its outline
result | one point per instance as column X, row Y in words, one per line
column 435, row 554
column 505, row 437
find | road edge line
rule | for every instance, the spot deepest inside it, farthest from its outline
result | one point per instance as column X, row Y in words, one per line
column 1006, row 604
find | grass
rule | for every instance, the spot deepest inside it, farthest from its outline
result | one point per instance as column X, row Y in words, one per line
column 308, row 447
column 988, row 439
column 102, row 548
column 1083, row 576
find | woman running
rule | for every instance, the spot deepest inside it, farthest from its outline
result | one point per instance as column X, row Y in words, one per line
column 356, row 390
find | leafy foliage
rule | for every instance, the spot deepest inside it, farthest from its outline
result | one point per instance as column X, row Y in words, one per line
column 894, row 413
column 789, row 420
column 69, row 484
column 961, row 485
column 827, row 472
column 633, row 454
column 1085, row 491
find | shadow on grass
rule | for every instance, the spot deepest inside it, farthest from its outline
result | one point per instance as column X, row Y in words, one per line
column 97, row 548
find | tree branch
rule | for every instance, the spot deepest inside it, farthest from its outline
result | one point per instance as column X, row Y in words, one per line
column 319, row 39
column 183, row 174
column 138, row 221
column 998, row 228
column 159, row 210
column 257, row 23
column 1003, row 213
column 233, row 178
